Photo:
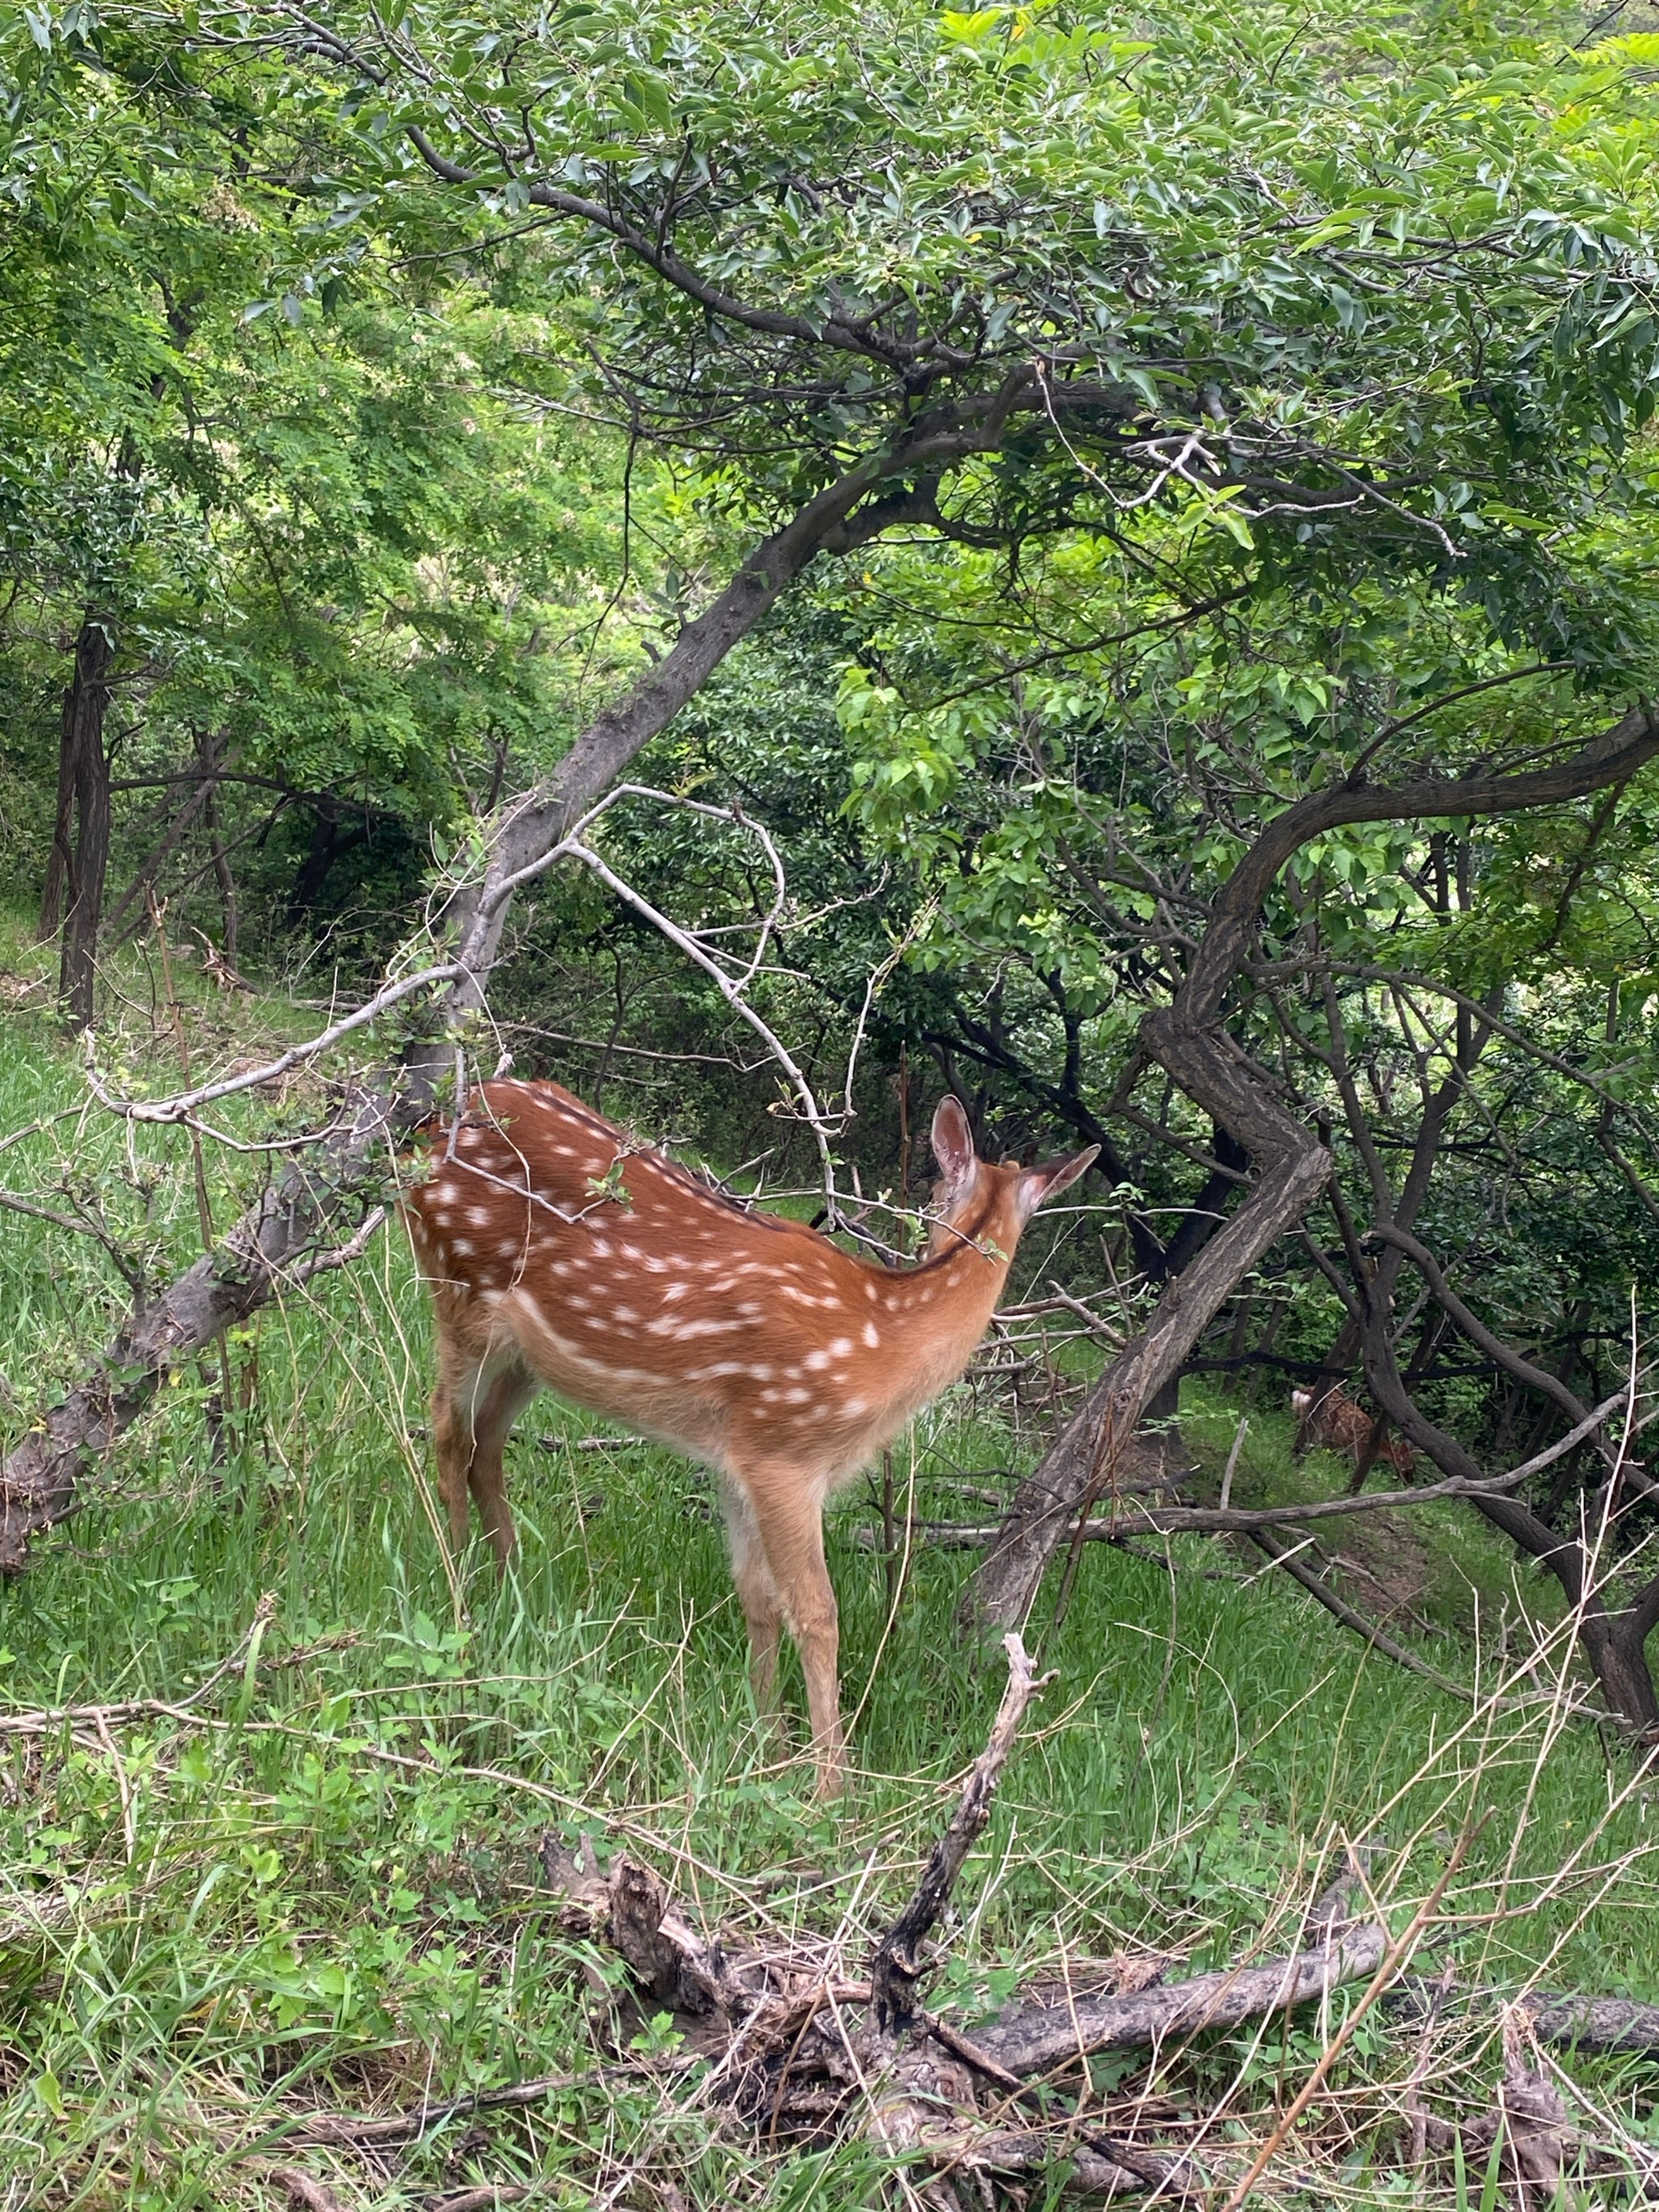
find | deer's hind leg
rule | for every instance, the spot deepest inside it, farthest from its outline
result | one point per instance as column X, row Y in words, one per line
column 475, row 1405
column 788, row 1507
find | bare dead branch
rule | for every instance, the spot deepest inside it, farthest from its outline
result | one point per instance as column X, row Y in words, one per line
column 896, row 1968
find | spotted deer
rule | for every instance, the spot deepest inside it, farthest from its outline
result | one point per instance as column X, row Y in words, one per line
column 1330, row 1417
column 562, row 1255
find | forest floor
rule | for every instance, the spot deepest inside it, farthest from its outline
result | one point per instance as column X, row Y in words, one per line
column 321, row 1887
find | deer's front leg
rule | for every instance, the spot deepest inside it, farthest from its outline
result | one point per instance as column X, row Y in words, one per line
column 510, row 1390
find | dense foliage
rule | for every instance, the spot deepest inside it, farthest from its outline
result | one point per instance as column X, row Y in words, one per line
column 1009, row 460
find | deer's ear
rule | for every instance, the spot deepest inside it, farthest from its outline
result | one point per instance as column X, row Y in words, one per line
column 1038, row 1185
column 953, row 1140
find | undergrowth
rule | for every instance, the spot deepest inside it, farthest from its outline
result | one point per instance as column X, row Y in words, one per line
column 320, row 1884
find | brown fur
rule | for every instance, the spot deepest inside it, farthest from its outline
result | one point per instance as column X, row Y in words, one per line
column 1331, row 1419
column 559, row 1256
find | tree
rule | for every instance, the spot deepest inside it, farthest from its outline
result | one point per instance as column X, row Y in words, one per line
column 1257, row 289
column 306, row 556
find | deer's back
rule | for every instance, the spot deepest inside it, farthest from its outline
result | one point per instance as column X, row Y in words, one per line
column 636, row 1291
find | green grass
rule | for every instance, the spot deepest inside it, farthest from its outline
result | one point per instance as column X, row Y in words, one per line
column 322, row 1890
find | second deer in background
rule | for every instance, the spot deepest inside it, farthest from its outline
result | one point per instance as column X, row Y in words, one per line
column 1330, row 1418
column 562, row 1255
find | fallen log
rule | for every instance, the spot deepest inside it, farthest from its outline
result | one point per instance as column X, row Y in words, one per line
column 1595, row 2023
column 1537, row 2144
column 1036, row 2037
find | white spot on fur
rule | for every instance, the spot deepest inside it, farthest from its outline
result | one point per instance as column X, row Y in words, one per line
column 478, row 1216
column 871, row 1336
column 463, row 1247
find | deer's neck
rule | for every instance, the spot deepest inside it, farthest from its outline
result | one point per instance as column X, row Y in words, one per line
column 929, row 1320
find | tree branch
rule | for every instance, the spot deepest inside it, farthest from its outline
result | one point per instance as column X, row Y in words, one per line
column 1186, row 1038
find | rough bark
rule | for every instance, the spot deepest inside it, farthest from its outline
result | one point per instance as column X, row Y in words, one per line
column 1596, row 2023
column 38, row 1483
column 1186, row 1038
column 1033, row 2040
column 79, row 848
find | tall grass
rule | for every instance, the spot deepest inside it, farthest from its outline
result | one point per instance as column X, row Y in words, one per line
column 321, row 1884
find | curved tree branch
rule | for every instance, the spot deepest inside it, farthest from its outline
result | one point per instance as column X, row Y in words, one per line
column 1186, row 1039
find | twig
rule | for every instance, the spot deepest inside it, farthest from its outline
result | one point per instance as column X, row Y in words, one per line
column 179, row 1106
column 1210, row 1520
column 353, row 2130
column 1232, row 1462
column 303, row 2189
column 341, row 1257
column 483, row 2200
column 896, row 1969
column 40, row 1720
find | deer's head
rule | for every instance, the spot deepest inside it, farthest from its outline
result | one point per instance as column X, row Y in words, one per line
column 981, row 1200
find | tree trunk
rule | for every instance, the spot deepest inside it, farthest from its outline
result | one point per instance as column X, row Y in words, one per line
column 60, row 860
column 207, row 751
column 1614, row 1641
column 82, row 757
column 165, row 845
column 60, row 857
column 329, row 843
column 1187, row 1040
column 1211, row 1068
